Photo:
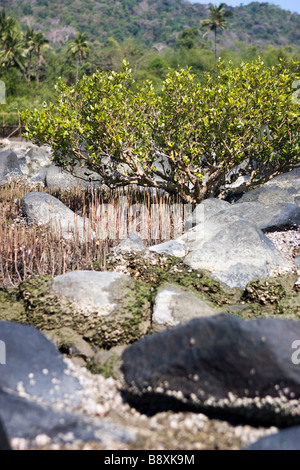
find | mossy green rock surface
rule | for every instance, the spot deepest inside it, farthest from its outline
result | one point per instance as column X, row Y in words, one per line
column 105, row 308
column 157, row 269
column 11, row 309
column 272, row 296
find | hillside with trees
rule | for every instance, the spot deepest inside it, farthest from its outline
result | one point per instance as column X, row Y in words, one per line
column 42, row 41
column 151, row 21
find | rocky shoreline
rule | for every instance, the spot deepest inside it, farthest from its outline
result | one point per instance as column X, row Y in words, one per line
column 189, row 344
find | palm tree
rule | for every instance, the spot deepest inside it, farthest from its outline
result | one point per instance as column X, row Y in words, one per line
column 39, row 44
column 217, row 20
column 7, row 24
column 30, row 48
column 13, row 53
column 78, row 49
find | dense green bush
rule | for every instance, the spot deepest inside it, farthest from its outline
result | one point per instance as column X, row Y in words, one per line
column 187, row 139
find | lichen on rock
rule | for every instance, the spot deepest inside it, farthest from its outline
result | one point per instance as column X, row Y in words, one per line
column 130, row 319
column 272, row 296
column 157, row 269
column 11, row 309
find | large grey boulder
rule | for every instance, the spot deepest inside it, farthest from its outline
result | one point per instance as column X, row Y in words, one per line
column 267, row 217
column 57, row 178
column 289, row 180
column 269, row 194
column 174, row 306
column 205, row 230
column 38, row 156
column 271, row 216
column 19, row 148
column 43, row 209
column 28, row 419
column 233, row 250
column 105, row 308
column 34, row 159
column 39, row 177
column 205, row 210
column 30, row 157
column 221, row 365
column 92, row 291
column 9, row 166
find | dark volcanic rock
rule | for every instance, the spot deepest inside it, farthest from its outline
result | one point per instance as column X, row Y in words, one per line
column 34, row 367
column 4, row 444
column 38, row 393
column 26, row 419
column 221, row 365
column 287, row 439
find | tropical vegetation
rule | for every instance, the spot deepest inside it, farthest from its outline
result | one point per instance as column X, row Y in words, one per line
column 40, row 43
column 186, row 139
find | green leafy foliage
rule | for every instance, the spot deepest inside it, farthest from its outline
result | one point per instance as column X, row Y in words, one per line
column 185, row 139
column 154, row 37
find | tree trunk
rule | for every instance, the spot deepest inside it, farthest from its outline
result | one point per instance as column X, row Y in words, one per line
column 38, row 70
column 29, row 68
column 77, row 69
column 216, row 45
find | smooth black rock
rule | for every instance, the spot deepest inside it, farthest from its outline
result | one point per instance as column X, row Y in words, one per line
column 34, row 367
column 33, row 377
column 27, row 419
column 287, row 439
column 4, row 443
column 221, row 365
